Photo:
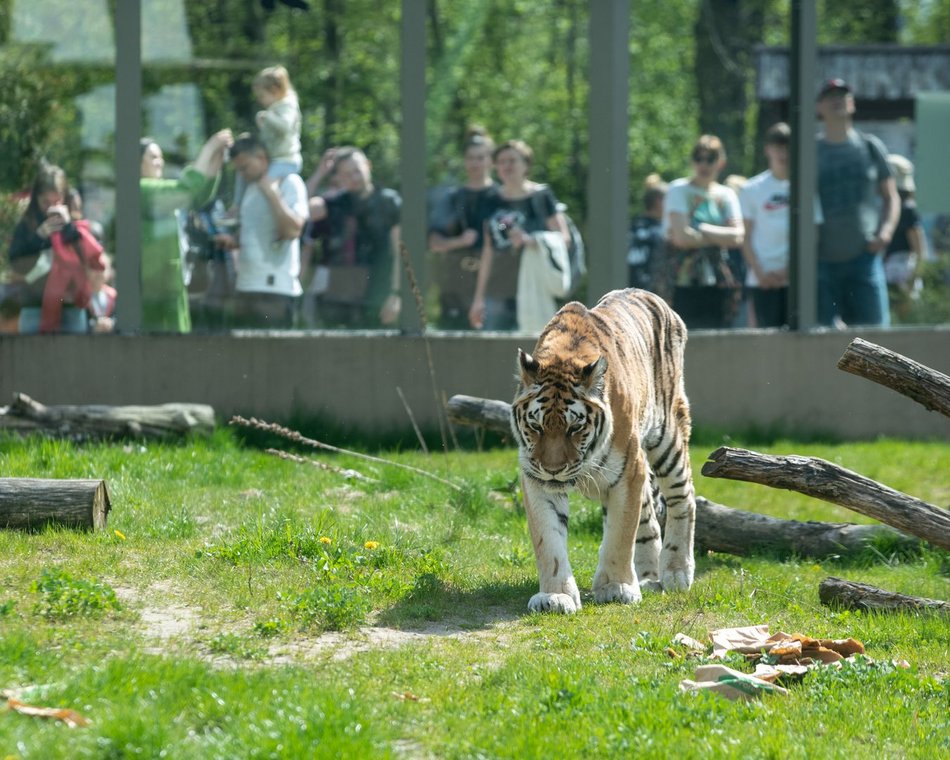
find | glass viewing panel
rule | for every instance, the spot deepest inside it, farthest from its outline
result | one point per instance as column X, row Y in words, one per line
column 306, row 235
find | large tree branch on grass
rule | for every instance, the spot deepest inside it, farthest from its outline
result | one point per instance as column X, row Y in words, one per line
column 897, row 372
column 835, row 592
column 735, row 531
column 823, row 480
column 25, row 415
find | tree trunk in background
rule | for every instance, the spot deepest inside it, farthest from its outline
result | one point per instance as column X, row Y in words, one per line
column 862, row 23
column 726, row 30
column 332, row 12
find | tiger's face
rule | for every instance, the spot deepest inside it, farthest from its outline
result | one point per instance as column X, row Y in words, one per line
column 561, row 421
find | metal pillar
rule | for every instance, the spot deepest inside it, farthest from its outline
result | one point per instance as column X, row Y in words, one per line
column 128, row 131
column 608, row 182
column 412, row 162
column 803, row 249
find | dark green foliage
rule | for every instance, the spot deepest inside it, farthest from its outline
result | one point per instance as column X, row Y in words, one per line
column 61, row 595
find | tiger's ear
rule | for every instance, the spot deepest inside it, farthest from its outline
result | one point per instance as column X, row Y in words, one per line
column 593, row 374
column 529, row 367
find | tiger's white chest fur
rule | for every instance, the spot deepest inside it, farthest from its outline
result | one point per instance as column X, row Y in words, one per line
column 603, row 473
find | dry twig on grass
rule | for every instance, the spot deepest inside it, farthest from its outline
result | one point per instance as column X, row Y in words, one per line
column 343, row 472
column 293, row 435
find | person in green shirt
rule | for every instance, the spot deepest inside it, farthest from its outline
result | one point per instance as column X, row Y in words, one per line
column 164, row 295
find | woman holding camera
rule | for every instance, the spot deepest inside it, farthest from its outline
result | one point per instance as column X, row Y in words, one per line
column 523, row 208
column 50, row 252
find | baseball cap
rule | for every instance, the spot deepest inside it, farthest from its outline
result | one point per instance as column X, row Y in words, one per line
column 833, row 85
column 903, row 172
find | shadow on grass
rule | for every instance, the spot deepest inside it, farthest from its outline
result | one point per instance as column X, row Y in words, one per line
column 432, row 601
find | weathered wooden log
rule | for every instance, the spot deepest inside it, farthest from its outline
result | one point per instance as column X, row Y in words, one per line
column 835, row 592
column 735, row 531
column 916, row 381
column 824, row 480
column 25, row 415
column 31, row 503
column 488, row 413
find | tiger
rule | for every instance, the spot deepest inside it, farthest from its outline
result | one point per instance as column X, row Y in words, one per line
column 601, row 407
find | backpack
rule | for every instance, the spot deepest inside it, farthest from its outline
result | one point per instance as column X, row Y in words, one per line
column 575, row 246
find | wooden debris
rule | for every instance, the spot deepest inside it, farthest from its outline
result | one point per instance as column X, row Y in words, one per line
column 341, row 471
column 487, row 413
column 835, row 592
column 94, row 421
column 824, row 480
column 735, row 531
column 293, row 435
column 30, row 504
column 897, row 372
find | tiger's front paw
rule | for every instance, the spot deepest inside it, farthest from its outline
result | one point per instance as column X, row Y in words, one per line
column 677, row 579
column 564, row 604
column 624, row 593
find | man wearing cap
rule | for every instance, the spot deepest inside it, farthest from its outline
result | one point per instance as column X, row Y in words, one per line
column 860, row 206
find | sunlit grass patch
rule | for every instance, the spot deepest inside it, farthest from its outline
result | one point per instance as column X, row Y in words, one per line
column 318, row 618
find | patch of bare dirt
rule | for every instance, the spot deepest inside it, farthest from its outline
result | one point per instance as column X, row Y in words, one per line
column 159, row 621
column 342, row 646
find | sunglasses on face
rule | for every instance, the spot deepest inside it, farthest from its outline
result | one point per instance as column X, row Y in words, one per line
column 706, row 158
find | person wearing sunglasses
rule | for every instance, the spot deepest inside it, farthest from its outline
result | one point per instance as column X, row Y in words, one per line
column 702, row 221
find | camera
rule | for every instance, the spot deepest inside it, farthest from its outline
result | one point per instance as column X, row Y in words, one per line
column 500, row 225
column 69, row 233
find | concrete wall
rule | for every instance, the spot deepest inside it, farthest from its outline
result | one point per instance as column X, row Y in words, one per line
column 734, row 380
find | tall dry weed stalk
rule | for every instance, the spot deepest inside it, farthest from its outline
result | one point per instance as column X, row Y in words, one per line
column 421, row 311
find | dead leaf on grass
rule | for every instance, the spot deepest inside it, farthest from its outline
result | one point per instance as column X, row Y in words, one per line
column 408, row 696
column 70, row 717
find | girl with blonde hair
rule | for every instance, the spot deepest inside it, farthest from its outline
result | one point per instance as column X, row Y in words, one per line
column 279, row 122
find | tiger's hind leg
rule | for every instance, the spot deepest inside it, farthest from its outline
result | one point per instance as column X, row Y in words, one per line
column 670, row 462
column 647, row 553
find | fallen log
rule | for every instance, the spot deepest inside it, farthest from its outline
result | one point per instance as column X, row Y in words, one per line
column 735, row 531
column 484, row 412
column 31, row 503
column 94, row 421
column 824, row 480
column 835, row 592
column 895, row 371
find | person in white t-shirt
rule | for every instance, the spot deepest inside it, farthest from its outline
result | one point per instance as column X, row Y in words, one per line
column 273, row 213
column 765, row 213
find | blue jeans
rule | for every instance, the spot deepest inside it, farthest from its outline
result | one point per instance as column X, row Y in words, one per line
column 500, row 314
column 74, row 320
column 855, row 290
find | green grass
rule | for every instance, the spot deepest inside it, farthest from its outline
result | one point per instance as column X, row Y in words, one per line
column 243, row 606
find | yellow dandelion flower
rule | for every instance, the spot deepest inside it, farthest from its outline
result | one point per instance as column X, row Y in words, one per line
column 326, row 540
column 371, row 545
column 119, row 534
